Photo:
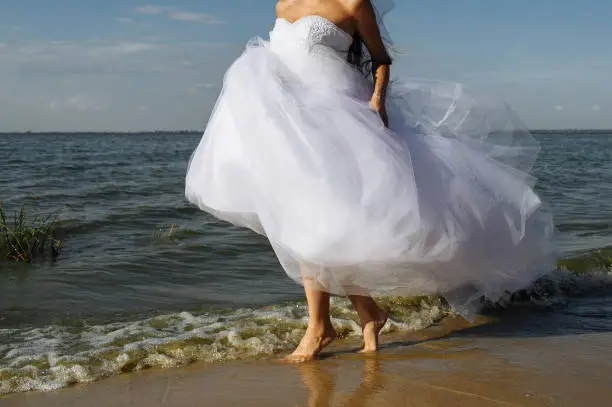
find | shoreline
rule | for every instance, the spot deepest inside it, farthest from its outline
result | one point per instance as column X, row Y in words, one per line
column 450, row 364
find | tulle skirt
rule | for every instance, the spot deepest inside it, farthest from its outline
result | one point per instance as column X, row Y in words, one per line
column 441, row 201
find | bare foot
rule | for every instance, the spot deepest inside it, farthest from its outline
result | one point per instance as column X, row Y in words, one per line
column 371, row 331
column 312, row 343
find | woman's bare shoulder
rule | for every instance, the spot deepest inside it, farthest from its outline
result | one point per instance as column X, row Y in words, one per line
column 281, row 5
column 354, row 6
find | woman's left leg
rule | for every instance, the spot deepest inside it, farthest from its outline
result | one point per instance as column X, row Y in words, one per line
column 372, row 318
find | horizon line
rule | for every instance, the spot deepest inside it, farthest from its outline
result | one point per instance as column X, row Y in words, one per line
column 185, row 131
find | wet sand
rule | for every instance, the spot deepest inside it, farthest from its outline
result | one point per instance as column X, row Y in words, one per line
column 552, row 363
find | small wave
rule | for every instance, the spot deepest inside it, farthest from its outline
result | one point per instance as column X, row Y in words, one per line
column 557, row 288
column 586, row 227
column 593, row 260
column 57, row 356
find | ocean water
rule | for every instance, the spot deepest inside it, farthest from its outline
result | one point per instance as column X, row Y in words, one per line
column 146, row 280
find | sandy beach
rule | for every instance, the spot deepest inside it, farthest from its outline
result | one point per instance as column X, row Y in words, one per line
column 496, row 363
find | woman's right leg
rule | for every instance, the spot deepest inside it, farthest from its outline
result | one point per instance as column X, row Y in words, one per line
column 320, row 331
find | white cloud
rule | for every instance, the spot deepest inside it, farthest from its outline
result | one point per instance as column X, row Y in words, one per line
column 559, row 108
column 96, row 84
column 195, row 17
column 126, row 48
column 196, row 89
column 596, row 108
column 125, row 20
column 72, row 51
column 76, row 102
column 174, row 13
column 121, row 48
column 14, row 28
column 149, row 9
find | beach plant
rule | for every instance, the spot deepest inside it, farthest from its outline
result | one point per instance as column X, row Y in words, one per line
column 172, row 232
column 23, row 240
column 165, row 232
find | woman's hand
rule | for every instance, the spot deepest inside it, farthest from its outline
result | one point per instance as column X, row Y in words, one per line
column 382, row 112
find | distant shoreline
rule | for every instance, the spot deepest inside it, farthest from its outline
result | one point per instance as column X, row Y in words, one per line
column 195, row 132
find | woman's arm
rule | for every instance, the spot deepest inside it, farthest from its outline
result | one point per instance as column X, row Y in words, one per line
column 368, row 29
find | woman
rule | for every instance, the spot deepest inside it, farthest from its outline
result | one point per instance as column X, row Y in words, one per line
column 364, row 188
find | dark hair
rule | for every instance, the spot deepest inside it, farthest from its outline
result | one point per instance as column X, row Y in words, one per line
column 359, row 57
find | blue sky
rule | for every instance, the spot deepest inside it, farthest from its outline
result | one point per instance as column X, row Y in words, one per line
column 139, row 65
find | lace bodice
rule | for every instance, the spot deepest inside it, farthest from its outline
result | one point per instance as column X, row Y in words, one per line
column 313, row 30
column 314, row 49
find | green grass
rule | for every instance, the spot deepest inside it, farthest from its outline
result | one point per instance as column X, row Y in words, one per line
column 23, row 240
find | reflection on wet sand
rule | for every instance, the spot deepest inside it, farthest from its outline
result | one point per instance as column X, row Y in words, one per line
column 321, row 384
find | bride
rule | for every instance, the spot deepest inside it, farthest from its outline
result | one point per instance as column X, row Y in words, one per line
column 366, row 187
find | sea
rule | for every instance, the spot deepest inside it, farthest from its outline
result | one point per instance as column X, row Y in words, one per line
column 146, row 280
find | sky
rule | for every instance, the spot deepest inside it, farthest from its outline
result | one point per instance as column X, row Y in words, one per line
column 126, row 65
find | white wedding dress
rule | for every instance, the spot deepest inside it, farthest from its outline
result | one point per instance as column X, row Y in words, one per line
column 439, row 202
